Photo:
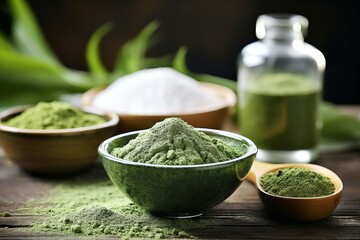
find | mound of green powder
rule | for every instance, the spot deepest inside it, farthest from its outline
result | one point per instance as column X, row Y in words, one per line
column 93, row 206
column 53, row 115
column 174, row 142
column 296, row 182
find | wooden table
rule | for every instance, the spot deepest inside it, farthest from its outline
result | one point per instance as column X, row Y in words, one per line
column 242, row 216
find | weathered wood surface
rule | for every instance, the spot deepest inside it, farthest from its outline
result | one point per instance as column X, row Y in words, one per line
column 242, row 216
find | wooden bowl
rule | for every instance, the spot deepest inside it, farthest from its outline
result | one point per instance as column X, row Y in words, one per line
column 213, row 118
column 297, row 208
column 54, row 152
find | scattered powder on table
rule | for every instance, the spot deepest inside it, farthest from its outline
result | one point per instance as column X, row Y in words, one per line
column 53, row 115
column 174, row 142
column 296, row 182
column 156, row 91
column 5, row 214
column 94, row 207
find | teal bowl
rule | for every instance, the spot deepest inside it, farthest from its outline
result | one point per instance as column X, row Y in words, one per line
column 178, row 191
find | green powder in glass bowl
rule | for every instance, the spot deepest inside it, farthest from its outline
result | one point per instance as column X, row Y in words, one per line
column 174, row 142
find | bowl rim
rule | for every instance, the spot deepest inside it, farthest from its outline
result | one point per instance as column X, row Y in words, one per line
column 252, row 150
column 229, row 101
column 112, row 122
column 311, row 167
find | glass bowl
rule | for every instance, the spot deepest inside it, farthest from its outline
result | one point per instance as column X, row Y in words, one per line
column 178, row 191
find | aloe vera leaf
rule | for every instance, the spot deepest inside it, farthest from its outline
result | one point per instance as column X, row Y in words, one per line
column 13, row 94
column 214, row 79
column 22, row 69
column 179, row 61
column 5, row 44
column 93, row 59
column 79, row 81
column 337, row 125
column 132, row 54
column 28, row 37
column 179, row 64
column 164, row 61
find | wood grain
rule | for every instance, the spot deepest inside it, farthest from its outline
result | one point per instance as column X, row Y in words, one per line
column 241, row 216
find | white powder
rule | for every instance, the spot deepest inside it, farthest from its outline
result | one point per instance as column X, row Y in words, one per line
column 157, row 91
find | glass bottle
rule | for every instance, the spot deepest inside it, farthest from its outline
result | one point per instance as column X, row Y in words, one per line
column 279, row 87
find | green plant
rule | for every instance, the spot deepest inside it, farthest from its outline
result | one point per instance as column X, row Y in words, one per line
column 31, row 72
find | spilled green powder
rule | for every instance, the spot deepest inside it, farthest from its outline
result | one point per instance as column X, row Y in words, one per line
column 54, row 115
column 296, row 182
column 5, row 214
column 95, row 207
column 174, row 142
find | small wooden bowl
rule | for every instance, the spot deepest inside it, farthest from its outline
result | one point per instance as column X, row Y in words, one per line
column 297, row 208
column 54, row 152
column 213, row 118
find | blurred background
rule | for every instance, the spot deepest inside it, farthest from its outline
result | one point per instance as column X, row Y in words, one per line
column 214, row 32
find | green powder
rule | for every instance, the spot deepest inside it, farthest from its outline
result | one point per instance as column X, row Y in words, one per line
column 5, row 214
column 296, row 182
column 279, row 111
column 54, row 115
column 174, row 142
column 95, row 207
column 282, row 84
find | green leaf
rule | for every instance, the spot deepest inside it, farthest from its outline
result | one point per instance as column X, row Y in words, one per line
column 214, row 79
column 337, row 125
column 179, row 64
column 131, row 56
column 157, row 62
column 5, row 44
column 93, row 59
column 13, row 95
column 21, row 69
column 27, row 35
column 179, row 61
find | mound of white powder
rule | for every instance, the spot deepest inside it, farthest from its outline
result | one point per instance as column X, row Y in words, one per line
column 156, row 91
